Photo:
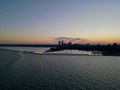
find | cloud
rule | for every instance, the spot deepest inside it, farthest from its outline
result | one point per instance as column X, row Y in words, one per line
column 70, row 39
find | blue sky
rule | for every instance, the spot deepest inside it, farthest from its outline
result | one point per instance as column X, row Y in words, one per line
column 40, row 21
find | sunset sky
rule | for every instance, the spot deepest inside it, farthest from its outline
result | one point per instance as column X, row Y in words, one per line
column 44, row 21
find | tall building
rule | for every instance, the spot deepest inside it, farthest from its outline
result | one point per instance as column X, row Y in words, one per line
column 61, row 42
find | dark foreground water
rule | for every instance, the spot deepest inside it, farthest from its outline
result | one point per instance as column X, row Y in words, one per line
column 25, row 71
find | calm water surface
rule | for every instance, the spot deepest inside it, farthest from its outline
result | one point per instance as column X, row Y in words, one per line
column 24, row 71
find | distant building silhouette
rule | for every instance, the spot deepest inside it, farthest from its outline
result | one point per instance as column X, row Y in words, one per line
column 69, row 43
column 61, row 42
column 88, row 44
column 115, row 44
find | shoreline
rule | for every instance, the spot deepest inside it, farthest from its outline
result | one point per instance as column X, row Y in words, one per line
column 57, row 54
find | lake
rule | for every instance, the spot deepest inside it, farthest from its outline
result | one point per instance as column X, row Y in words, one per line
column 27, row 71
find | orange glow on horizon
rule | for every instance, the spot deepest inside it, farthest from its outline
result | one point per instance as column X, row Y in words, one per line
column 25, row 40
column 105, row 40
column 50, row 41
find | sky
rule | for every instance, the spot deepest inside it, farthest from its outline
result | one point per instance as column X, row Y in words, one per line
column 45, row 21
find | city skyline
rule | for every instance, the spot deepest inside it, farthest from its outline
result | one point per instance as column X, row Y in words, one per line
column 47, row 21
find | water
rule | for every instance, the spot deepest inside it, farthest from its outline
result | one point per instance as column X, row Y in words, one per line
column 28, row 49
column 26, row 71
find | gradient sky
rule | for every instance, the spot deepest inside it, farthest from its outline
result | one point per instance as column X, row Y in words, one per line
column 41, row 21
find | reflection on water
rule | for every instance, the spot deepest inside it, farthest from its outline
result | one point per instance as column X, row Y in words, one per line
column 21, row 71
